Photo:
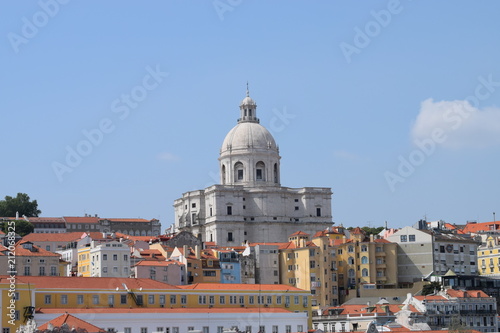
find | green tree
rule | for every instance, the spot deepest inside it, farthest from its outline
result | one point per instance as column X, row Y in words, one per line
column 22, row 227
column 431, row 288
column 20, row 204
column 372, row 231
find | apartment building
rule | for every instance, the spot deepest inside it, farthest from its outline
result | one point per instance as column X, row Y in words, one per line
column 104, row 259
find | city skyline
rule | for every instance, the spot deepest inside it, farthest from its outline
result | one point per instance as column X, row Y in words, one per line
column 119, row 114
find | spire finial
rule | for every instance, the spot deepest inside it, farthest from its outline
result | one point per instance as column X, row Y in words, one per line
column 248, row 93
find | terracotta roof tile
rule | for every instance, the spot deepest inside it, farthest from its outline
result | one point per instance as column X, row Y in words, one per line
column 61, row 237
column 72, row 322
column 81, row 219
column 92, row 283
column 299, row 233
column 158, row 263
column 240, row 286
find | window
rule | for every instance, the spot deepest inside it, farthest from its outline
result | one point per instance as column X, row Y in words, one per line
column 364, row 272
column 202, row 299
column 193, row 205
column 258, row 175
column 229, row 234
column 288, row 328
column 48, row 299
column 275, row 329
column 312, row 264
column 175, row 329
column 111, row 300
column 205, row 329
column 53, row 271
column 300, row 328
column 127, row 330
column 27, row 270
column 104, row 269
column 151, row 299
column 220, row 329
column 364, row 248
column 403, row 238
column 222, row 300
column 364, row 260
column 296, row 300
column 64, row 299
column 296, row 207
column 144, row 330
column 350, row 249
column 125, row 257
column 229, row 210
column 318, row 211
column 115, row 257
column 350, row 261
column 173, row 299
column 41, row 271
column 95, row 299
column 248, row 329
column 104, row 257
column 183, row 299
column 251, row 299
column 411, row 238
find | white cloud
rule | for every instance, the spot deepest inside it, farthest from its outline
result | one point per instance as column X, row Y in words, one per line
column 461, row 125
column 166, row 156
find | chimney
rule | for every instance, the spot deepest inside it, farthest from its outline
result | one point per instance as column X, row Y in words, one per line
column 343, row 239
column 197, row 252
column 185, row 250
column 371, row 238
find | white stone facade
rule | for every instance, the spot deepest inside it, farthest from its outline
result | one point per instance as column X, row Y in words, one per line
column 250, row 204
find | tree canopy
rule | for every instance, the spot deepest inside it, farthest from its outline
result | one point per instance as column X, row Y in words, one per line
column 20, row 204
column 22, row 227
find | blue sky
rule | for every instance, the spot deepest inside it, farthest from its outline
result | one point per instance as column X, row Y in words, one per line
column 392, row 104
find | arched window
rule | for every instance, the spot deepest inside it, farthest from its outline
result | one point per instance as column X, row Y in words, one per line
column 137, row 233
column 223, row 176
column 238, row 172
column 260, row 167
column 350, row 261
column 275, row 172
column 350, row 273
column 350, row 249
column 364, row 248
column 143, row 233
column 364, row 272
column 364, row 260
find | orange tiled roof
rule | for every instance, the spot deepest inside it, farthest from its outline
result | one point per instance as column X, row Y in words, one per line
column 158, row 263
column 47, row 237
column 80, row 219
column 72, row 322
column 353, row 309
column 467, row 293
column 136, row 238
column 483, row 226
column 299, row 233
column 240, row 286
column 431, row 298
column 92, row 283
column 357, row 231
column 37, row 251
column 381, row 240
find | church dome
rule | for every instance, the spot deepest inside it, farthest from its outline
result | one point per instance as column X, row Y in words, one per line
column 248, row 101
column 248, row 135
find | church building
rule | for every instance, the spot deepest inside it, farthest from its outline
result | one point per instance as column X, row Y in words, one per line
column 250, row 204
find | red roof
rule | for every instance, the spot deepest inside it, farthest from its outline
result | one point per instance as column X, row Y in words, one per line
column 484, row 226
column 72, row 322
column 467, row 293
column 126, row 220
column 36, row 252
column 354, row 309
column 92, row 283
column 158, row 263
column 61, row 237
column 80, row 219
column 357, row 231
column 240, row 286
column 299, row 233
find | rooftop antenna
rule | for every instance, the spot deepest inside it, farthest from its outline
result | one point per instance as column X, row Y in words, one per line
column 494, row 217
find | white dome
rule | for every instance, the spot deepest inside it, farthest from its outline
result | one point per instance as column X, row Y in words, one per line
column 249, row 135
column 248, row 101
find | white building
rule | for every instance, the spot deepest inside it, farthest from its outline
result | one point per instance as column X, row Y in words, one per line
column 109, row 259
column 250, row 204
column 213, row 320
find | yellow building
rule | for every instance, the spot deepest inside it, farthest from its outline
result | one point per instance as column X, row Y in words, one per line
column 84, row 261
column 308, row 265
column 365, row 262
column 17, row 303
column 488, row 257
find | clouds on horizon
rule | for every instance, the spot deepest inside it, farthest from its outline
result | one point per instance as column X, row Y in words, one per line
column 461, row 124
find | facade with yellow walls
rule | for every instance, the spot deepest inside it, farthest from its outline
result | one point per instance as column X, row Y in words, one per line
column 17, row 300
column 84, row 261
column 308, row 265
column 488, row 257
column 365, row 262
